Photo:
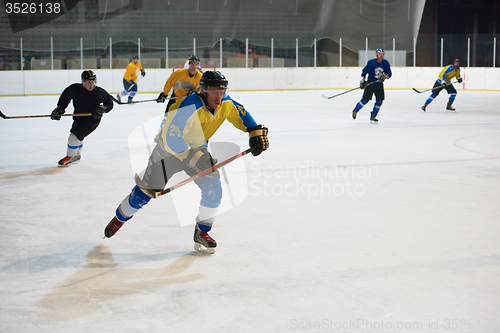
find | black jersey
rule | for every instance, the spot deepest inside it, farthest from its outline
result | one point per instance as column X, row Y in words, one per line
column 85, row 101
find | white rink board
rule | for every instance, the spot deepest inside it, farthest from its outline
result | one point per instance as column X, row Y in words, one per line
column 44, row 82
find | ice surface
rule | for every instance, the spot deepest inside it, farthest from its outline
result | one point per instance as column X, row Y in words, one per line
column 344, row 225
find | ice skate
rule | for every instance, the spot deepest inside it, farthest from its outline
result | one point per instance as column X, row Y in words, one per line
column 68, row 160
column 374, row 120
column 423, row 107
column 449, row 107
column 119, row 98
column 113, row 226
column 354, row 114
column 203, row 242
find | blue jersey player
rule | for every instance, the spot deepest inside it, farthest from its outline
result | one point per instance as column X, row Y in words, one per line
column 378, row 71
column 181, row 145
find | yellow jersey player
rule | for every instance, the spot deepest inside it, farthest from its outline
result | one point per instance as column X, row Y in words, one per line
column 183, row 82
column 130, row 79
column 181, row 145
column 444, row 82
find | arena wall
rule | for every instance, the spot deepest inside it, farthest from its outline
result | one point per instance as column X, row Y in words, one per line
column 53, row 82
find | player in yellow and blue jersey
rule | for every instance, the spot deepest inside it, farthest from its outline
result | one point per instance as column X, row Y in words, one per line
column 130, row 79
column 444, row 82
column 181, row 145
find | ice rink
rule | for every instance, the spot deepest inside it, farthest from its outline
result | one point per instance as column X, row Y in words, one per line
column 340, row 226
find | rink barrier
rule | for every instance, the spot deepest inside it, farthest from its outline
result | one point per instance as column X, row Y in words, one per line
column 53, row 82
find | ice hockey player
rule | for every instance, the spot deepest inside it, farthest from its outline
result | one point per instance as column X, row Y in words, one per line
column 378, row 71
column 444, row 82
column 188, row 62
column 183, row 82
column 87, row 98
column 130, row 79
column 181, row 145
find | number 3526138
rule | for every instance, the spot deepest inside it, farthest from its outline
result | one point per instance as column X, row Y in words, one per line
column 32, row 8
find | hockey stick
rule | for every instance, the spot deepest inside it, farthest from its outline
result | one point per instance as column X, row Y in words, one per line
column 135, row 83
column 422, row 91
column 156, row 194
column 121, row 103
column 133, row 102
column 44, row 115
column 345, row 92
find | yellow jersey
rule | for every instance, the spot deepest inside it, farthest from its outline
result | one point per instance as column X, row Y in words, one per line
column 132, row 71
column 189, row 124
column 448, row 73
column 182, row 82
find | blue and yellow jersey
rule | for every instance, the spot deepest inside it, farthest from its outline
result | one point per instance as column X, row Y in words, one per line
column 189, row 124
column 132, row 71
column 449, row 72
column 182, row 82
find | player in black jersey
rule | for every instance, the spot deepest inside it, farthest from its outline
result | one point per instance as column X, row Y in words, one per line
column 87, row 98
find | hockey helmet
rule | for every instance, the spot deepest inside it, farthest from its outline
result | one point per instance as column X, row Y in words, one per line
column 89, row 75
column 212, row 79
column 135, row 57
column 193, row 58
column 456, row 61
column 380, row 50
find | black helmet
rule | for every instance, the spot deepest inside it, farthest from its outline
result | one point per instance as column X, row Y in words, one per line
column 135, row 57
column 213, row 79
column 88, row 75
column 192, row 58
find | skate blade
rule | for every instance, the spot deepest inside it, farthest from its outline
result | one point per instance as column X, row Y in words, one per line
column 200, row 248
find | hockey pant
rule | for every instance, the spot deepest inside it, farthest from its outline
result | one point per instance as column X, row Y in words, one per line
column 78, row 132
column 161, row 167
column 437, row 89
column 128, row 90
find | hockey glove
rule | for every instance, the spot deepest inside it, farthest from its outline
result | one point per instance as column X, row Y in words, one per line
column 143, row 73
column 384, row 77
column 56, row 114
column 460, row 80
column 444, row 84
column 362, row 83
column 258, row 139
column 199, row 160
column 161, row 98
column 131, row 82
column 101, row 109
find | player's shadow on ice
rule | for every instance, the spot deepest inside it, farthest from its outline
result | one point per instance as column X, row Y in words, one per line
column 82, row 293
column 35, row 172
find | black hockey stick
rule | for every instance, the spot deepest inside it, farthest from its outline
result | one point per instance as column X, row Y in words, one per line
column 133, row 102
column 422, row 91
column 44, row 115
column 156, row 194
column 345, row 92
column 121, row 103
